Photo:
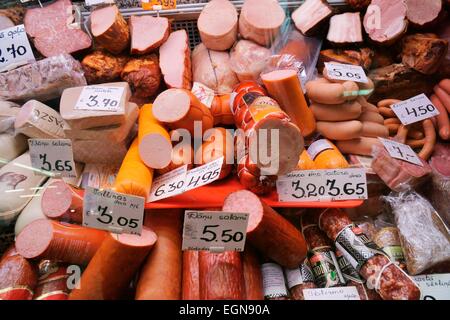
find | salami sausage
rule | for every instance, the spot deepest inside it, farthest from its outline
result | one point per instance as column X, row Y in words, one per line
column 300, row 278
column 285, row 245
column 61, row 201
column 113, row 266
column 190, row 278
column 160, row 277
column 52, row 282
column 274, row 285
column 221, row 276
column 47, row 239
column 252, row 275
column 18, row 277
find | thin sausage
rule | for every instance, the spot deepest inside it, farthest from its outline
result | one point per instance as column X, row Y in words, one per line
column 362, row 146
column 387, row 103
column 366, row 106
column 402, row 134
column 374, row 130
column 371, row 117
column 393, row 128
column 443, row 96
column 340, row 112
column 430, row 140
column 191, row 282
column 252, row 275
column 443, row 122
column 415, row 143
column 386, row 112
column 445, row 85
column 61, row 201
column 344, row 130
column 392, row 121
column 330, row 93
column 415, row 134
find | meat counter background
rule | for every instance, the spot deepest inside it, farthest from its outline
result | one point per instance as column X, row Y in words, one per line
column 251, row 61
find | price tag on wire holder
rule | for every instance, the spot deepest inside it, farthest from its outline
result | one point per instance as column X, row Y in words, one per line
column 414, row 109
column 215, row 231
column 15, row 49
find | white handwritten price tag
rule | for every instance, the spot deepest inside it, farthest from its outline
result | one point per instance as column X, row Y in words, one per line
column 323, row 185
column 203, row 93
column 98, row 98
column 434, row 286
column 15, row 49
column 113, row 211
column 214, row 230
column 348, row 72
column 336, row 293
column 168, row 185
column 52, row 157
column 415, row 109
column 401, row 151
column 204, row 174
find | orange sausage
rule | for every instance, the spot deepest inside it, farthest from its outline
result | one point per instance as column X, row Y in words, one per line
column 366, row 106
column 443, row 121
column 445, row 85
column 330, row 93
column 387, row 103
column 443, row 96
column 305, row 162
column 371, row 117
column 393, row 128
column 344, row 130
column 374, row 130
column 430, row 139
column 336, row 112
column 386, row 112
column 392, row 121
column 221, row 111
column 413, row 143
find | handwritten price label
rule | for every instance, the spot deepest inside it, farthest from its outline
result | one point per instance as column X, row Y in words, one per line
column 337, row 293
column 113, row 211
column 347, row 72
column 401, row 151
column 214, row 230
column 98, row 98
column 322, row 185
column 203, row 93
column 415, row 109
column 159, row 4
column 15, row 49
column 434, row 286
column 52, row 156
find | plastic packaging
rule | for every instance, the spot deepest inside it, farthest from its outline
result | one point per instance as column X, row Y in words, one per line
column 388, row 240
column 424, row 237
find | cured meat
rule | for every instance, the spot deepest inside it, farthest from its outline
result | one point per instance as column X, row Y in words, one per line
column 252, row 179
column 221, row 276
column 361, row 57
column 143, row 75
column 100, row 67
column 298, row 279
column 311, row 15
column 5, row 22
column 18, row 277
column 257, row 25
column 61, row 201
column 345, row 29
column 175, row 60
column 273, row 282
column 190, row 277
column 423, row 14
column 48, row 26
column 440, row 181
column 218, row 25
column 388, row 239
column 160, row 277
column 15, row 13
column 117, row 260
column 385, row 21
column 285, row 245
column 47, row 239
column 252, row 275
column 220, row 110
column 247, row 60
column 110, row 30
column 52, row 282
column 424, row 52
column 148, row 33
column 358, row 4
column 212, row 68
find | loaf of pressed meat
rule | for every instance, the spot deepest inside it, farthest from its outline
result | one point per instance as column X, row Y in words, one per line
column 148, row 33
column 311, row 15
column 101, row 66
column 218, row 25
column 143, row 75
column 345, row 29
column 48, row 26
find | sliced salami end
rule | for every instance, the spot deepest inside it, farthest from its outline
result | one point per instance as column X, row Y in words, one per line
column 311, row 14
column 155, row 151
column 171, row 105
column 35, row 238
column 245, row 201
column 60, row 201
column 148, row 33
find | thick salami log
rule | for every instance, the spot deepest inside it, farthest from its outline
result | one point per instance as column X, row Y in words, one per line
column 148, row 33
column 52, row 282
column 110, row 30
column 18, row 277
column 372, row 264
column 112, row 268
column 190, row 276
column 252, row 275
column 268, row 231
column 47, row 239
column 221, row 276
column 61, row 201
column 160, row 277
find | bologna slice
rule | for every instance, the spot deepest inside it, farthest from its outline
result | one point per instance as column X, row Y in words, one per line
column 61, row 201
column 268, row 231
column 261, row 20
column 175, row 60
column 148, row 33
column 252, row 275
column 311, row 15
column 110, row 30
column 113, row 266
column 48, row 239
column 180, row 109
column 218, row 25
column 190, row 277
column 160, row 277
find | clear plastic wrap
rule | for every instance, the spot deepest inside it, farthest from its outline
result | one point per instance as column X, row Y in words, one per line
column 43, row 80
column 424, row 237
column 248, row 59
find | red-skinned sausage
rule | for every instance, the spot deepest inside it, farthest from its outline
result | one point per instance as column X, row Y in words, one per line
column 190, row 278
column 252, row 275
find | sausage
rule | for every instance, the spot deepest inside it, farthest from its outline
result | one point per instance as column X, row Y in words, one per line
column 286, row 245
column 305, row 162
column 374, row 130
column 326, row 156
column 392, row 121
column 182, row 154
column 113, row 266
column 48, row 239
column 284, row 86
column 190, row 278
column 387, row 103
column 343, row 130
column 386, row 112
column 443, row 122
column 331, row 93
column 430, row 139
column 371, row 116
column 221, row 276
column 273, row 282
column 61, row 201
column 254, row 181
column 372, row 264
column 340, row 112
column 52, row 282
column 388, row 239
column 298, row 279
column 445, row 85
column 361, row 146
column 18, row 277
column 220, row 110
column 393, row 128
column 366, row 106
column 160, row 277
column 110, row 30
column 402, row 134
column 252, row 275
column 180, row 108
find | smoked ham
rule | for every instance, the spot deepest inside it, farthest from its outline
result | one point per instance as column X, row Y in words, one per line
column 110, row 30
column 148, row 33
column 345, row 29
column 248, row 59
column 218, row 25
column 143, row 75
column 175, row 60
column 311, row 15
column 100, row 67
